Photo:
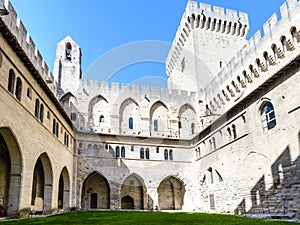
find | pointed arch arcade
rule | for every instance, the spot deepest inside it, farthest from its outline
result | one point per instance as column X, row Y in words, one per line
column 133, row 193
column 42, row 185
column 11, row 167
column 95, row 192
column 63, row 201
column 171, row 194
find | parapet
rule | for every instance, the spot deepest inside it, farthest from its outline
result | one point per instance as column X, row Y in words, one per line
column 17, row 28
column 94, row 88
column 206, row 17
column 258, row 53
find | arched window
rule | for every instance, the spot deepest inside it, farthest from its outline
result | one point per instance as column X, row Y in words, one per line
column 11, row 81
column 157, row 148
column 229, row 133
column 166, row 154
column 42, row 113
column 171, row 154
column 1, row 59
column 29, row 93
column 199, row 152
column 130, row 123
column 54, row 126
column 147, row 153
column 117, row 151
column 234, row 131
column 193, row 128
column 295, row 35
column 214, row 144
column 283, row 43
column 95, row 150
column 19, row 89
column 101, row 119
column 268, row 116
column 68, row 51
column 211, row 175
column 155, row 125
column 179, row 125
column 142, row 153
column 89, row 150
column 57, row 129
column 211, row 145
column 65, row 138
column 37, row 108
column 123, row 152
column 275, row 53
column 280, row 173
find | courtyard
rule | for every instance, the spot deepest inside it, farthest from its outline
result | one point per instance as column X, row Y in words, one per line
column 145, row 218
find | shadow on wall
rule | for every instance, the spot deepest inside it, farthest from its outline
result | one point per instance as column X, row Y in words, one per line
column 282, row 199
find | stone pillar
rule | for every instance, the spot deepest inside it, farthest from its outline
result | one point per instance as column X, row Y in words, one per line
column 48, row 199
column 14, row 196
column 153, row 197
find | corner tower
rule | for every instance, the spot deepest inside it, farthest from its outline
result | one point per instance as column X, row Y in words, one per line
column 206, row 40
column 67, row 66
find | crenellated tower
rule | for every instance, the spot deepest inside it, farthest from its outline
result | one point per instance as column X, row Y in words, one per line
column 206, row 40
column 67, row 66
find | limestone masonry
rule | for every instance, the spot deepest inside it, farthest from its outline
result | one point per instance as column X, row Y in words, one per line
column 223, row 137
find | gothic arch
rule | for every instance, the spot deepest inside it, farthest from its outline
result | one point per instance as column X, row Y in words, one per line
column 66, row 97
column 64, row 190
column 99, row 106
column 129, row 111
column 11, row 162
column 187, row 121
column 133, row 187
column 171, row 194
column 159, row 112
column 95, row 192
column 42, row 185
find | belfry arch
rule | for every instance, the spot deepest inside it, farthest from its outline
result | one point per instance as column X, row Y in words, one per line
column 42, row 185
column 133, row 193
column 64, row 190
column 95, row 192
column 170, row 194
column 10, row 172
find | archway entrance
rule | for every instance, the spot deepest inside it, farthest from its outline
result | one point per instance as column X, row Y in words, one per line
column 127, row 203
column 10, row 173
column 41, row 194
column 170, row 194
column 64, row 190
column 5, row 167
column 95, row 192
column 133, row 193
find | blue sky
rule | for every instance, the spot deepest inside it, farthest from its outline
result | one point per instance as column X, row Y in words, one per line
column 101, row 27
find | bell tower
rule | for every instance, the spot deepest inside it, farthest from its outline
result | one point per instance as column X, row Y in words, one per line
column 67, row 66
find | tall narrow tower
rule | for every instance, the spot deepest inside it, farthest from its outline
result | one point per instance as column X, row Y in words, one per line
column 207, row 39
column 67, row 66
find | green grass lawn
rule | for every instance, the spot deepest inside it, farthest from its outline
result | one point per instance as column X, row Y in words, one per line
column 143, row 218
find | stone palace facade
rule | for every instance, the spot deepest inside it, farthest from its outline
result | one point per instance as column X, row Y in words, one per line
column 223, row 137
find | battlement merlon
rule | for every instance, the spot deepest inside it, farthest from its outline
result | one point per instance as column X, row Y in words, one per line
column 255, row 46
column 94, row 88
column 17, row 28
column 202, row 16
